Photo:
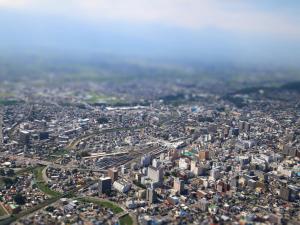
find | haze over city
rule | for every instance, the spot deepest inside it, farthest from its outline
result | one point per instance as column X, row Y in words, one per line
column 154, row 112
column 228, row 31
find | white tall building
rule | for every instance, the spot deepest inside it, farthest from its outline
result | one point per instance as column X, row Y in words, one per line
column 155, row 174
column 156, row 163
column 184, row 163
column 195, row 169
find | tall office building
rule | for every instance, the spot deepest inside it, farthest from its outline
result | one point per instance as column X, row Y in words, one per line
column 179, row 185
column 241, row 125
column 204, row 155
column 113, row 174
column 123, row 169
column 195, row 169
column 104, row 185
column 285, row 193
column 156, row 163
column 24, row 137
column 247, row 127
column 155, row 174
column 146, row 160
column 151, row 196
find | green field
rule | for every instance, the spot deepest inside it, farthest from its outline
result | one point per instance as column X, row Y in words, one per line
column 60, row 152
column 103, row 203
column 2, row 211
column 24, row 170
column 8, row 102
column 126, row 220
column 57, row 154
column 41, row 183
column 95, row 98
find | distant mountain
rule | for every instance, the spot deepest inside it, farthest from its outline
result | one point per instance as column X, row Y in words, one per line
column 44, row 33
column 268, row 92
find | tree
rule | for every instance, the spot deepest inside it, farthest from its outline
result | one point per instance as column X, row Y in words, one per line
column 10, row 173
column 9, row 182
column 84, row 154
column 102, row 120
column 2, row 172
column 20, row 199
column 50, row 208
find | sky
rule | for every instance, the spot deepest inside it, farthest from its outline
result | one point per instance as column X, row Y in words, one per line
column 265, row 31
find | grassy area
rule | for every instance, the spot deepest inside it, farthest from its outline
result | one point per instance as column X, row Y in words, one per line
column 24, row 170
column 126, row 220
column 6, row 95
column 8, row 102
column 61, row 152
column 2, row 211
column 100, row 98
column 57, row 154
column 103, row 203
column 1, row 182
column 41, row 183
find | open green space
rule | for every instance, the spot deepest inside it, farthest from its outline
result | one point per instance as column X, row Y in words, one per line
column 95, row 98
column 41, row 183
column 2, row 211
column 6, row 95
column 103, row 203
column 60, row 152
column 8, row 101
column 57, row 154
column 25, row 170
column 126, row 220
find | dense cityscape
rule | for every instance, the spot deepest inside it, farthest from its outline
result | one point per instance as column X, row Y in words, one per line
column 149, row 112
column 183, row 155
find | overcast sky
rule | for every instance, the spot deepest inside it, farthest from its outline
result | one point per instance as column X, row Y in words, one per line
column 230, row 28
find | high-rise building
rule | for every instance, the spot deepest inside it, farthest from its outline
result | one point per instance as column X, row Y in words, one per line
column 156, row 163
column 123, row 169
column 195, row 168
column 146, row 160
column 155, row 174
column 24, row 137
column 204, row 155
column 234, row 131
column 226, row 130
column 43, row 135
column 247, row 127
column 179, row 185
column 113, row 174
column 285, row 193
column 151, row 196
column 241, row 125
column 162, row 156
column 234, row 182
column 184, row 163
column 104, row 185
